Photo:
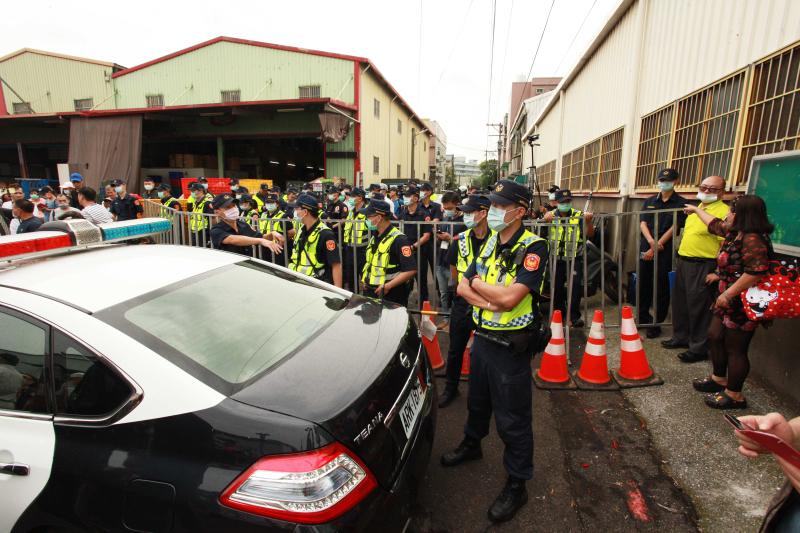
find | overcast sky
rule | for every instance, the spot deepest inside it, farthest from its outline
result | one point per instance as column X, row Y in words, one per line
column 447, row 79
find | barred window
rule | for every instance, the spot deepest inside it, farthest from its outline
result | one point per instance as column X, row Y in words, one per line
column 155, row 100
column 773, row 110
column 705, row 131
column 376, row 165
column 227, row 97
column 376, row 108
column 572, row 172
column 591, row 167
column 84, row 104
column 547, row 175
column 654, row 139
column 309, row 91
column 610, row 161
column 22, row 108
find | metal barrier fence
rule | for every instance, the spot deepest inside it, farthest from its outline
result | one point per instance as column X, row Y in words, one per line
column 597, row 263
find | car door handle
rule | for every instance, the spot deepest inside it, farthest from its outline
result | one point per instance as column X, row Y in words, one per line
column 14, row 469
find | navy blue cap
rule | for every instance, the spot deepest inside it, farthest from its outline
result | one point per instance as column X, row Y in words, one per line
column 553, row 188
column 563, row 195
column 245, row 198
column 115, row 183
column 426, row 186
column 668, row 174
column 75, row 177
column 307, row 201
column 264, row 186
column 291, row 190
column 410, row 190
column 332, row 189
column 474, row 203
column 221, row 201
column 358, row 191
column 510, row 192
column 272, row 197
column 163, row 187
column 377, row 206
column 195, row 186
column 202, row 178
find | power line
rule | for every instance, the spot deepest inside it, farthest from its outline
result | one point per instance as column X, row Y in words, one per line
column 585, row 18
column 508, row 39
column 455, row 43
column 491, row 69
column 419, row 56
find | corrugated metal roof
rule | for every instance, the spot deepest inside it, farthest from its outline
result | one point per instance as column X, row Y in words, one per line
column 60, row 56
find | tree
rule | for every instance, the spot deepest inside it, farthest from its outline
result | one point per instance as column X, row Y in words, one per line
column 449, row 178
column 488, row 174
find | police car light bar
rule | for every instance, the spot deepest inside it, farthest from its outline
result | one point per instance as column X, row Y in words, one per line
column 67, row 235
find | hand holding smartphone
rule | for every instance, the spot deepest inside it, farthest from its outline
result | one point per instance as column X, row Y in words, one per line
column 768, row 441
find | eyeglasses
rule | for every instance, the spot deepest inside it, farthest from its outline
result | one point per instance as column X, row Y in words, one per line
column 704, row 188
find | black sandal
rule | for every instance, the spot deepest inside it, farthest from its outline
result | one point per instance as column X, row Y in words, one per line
column 707, row 384
column 721, row 400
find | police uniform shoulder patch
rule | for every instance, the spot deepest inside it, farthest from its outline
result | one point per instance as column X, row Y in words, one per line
column 330, row 245
column 406, row 251
column 531, row 262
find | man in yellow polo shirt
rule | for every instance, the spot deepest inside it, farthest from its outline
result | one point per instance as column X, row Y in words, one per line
column 694, row 285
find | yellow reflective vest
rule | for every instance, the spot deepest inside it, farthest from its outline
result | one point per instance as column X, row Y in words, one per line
column 271, row 223
column 199, row 222
column 305, row 260
column 379, row 261
column 356, row 232
column 569, row 226
column 465, row 254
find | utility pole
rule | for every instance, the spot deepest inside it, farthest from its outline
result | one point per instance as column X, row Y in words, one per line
column 499, row 135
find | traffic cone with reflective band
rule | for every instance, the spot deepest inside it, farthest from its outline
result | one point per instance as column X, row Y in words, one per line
column 465, row 360
column 593, row 374
column 634, row 370
column 430, row 338
column 552, row 372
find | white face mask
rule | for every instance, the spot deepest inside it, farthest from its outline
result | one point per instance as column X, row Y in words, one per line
column 234, row 187
column 118, row 189
column 333, row 197
column 149, row 187
column 706, row 198
column 245, row 207
column 497, row 218
column 232, row 213
column 271, row 207
column 665, row 185
column 469, row 220
column 449, row 213
column 423, row 195
column 551, row 196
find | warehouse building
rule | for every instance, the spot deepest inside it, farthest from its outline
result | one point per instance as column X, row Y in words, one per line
column 226, row 107
column 701, row 86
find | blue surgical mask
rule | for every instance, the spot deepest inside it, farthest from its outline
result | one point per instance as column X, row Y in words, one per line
column 34, row 196
column 408, row 200
column 160, row 194
column 351, row 203
column 469, row 220
column 205, row 185
column 565, row 207
column 296, row 216
column 497, row 218
column 371, row 226
column 270, row 207
column 118, row 189
column 665, row 185
column 449, row 213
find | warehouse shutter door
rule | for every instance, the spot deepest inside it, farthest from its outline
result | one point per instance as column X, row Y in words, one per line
column 106, row 148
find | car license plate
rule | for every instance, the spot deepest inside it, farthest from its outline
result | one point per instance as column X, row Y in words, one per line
column 411, row 409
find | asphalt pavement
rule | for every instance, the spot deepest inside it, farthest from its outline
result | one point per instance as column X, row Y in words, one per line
column 644, row 459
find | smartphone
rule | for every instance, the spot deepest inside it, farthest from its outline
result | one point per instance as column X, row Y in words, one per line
column 768, row 441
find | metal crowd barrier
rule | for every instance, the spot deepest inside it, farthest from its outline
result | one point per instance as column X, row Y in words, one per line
column 615, row 246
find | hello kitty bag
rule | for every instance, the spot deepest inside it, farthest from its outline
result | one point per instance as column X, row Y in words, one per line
column 777, row 295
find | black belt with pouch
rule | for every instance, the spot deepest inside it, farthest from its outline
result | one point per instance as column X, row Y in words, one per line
column 536, row 336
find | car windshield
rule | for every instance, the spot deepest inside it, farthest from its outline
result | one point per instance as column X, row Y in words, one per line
column 229, row 325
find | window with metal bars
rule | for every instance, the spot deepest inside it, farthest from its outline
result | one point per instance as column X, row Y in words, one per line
column 594, row 166
column 654, row 139
column 399, row 126
column 773, row 109
column 155, row 100
column 309, row 91
column 546, row 175
column 22, row 108
column 227, row 97
column 398, row 171
column 376, row 165
column 610, row 161
column 376, row 108
column 83, row 104
column 705, row 131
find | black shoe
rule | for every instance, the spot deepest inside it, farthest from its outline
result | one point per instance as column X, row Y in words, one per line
column 707, row 384
column 721, row 400
column 513, row 496
column 578, row 323
column 689, row 357
column 447, row 397
column 468, row 450
column 672, row 344
column 653, row 332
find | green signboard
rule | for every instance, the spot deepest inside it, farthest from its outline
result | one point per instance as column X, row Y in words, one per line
column 776, row 179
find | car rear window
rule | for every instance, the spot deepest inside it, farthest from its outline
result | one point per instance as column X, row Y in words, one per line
column 231, row 324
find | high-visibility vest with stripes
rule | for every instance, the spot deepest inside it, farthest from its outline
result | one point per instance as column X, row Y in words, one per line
column 355, row 228
column 171, row 203
column 198, row 222
column 259, row 202
column 490, row 270
column 466, row 254
column 379, row 261
column 271, row 223
column 304, row 259
column 562, row 234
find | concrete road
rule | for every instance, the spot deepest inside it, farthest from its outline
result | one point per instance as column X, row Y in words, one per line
column 644, row 459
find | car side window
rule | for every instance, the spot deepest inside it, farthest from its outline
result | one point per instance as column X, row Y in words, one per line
column 84, row 384
column 23, row 356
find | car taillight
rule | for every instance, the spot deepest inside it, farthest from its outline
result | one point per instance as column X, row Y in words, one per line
column 308, row 488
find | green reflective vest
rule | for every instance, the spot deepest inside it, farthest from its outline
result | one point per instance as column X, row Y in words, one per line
column 198, row 222
column 356, row 232
column 568, row 227
column 494, row 272
column 304, row 254
column 466, row 255
column 270, row 223
column 379, row 261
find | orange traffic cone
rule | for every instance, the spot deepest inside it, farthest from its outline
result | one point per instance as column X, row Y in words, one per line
column 593, row 374
column 552, row 372
column 430, row 338
column 465, row 360
column 634, row 370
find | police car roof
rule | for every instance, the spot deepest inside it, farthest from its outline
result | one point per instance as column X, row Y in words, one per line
column 102, row 277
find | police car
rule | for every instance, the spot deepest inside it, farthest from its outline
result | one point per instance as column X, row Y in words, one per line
column 170, row 388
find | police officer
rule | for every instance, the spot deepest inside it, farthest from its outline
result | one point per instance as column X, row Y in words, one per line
column 231, row 234
column 261, row 196
column 124, row 206
column 247, row 209
column 164, row 194
column 356, row 237
column 335, row 208
column 571, row 223
column 390, row 262
column 273, row 221
column 200, row 206
column 315, row 252
column 150, row 192
column 418, row 234
column 460, row 256
column 504, row 285
column 203, row 183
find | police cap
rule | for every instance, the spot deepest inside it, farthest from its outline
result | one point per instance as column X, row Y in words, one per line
column 426, row 186
column 510, row 192
column 668, row 174
column 307, row 201
column 563, row 195
column 163, row 187
column 474, row 203
column 358, row 191
column 221, row 201
column 117, row 183
column 195, row 186
column 553, row 188
column 377, row 206
column 410, row 191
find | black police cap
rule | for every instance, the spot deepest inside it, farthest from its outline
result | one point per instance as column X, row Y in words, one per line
column 358, row 191
column 163, row 187
column 426, row 186
column 377, row 206
column 307, row 201
column 474, row 203
column 563, row 195
column 510, row 192
column 221, row 201
column 668, row 174
column 553, row 188
column 195, row 186
column 116, row 183
column 410, row 191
